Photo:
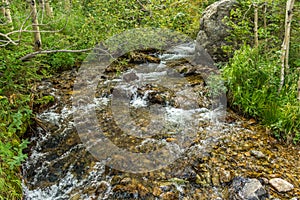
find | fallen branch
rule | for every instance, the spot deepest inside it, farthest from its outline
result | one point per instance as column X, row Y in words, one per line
column 31, row 55
column 9, row 40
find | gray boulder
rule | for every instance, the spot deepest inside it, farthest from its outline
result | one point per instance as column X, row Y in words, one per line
column 247, row 189
column 213, row 31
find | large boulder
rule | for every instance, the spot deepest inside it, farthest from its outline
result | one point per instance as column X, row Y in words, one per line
column 213, row 30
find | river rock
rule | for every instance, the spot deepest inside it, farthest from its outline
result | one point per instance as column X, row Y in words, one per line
column 213, row 30
column 247, row 189
column 257, row 154
column 169, row 196
column 281, row 185
column 225, row 176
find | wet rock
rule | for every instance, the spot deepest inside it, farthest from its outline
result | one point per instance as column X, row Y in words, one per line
column 131, row 76
column 281, row 185
column 188, row 174
column 247, row 189
column 125, row 181
column 169, row 196
column 156, row 191
column 75, row 197
column 213, row 30
column 257, row 154
column 225, row 176
column 215, row 180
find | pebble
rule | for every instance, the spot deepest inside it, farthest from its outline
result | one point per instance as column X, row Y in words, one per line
column 257, row 154
column 157, row 191
column 225, row 176
column 281, row 185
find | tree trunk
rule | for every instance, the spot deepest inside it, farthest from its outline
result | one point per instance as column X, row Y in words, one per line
column 48, row 8
column 299, row 89
column 286, row 42
column 67, row 4
column 3, row 8
column 265, row 15
column 6, row 11
column 35, row 27
column 255, row 25
column 265, row 23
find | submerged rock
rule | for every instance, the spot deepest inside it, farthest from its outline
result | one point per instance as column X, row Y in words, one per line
column 281, row 185
column 247, row 189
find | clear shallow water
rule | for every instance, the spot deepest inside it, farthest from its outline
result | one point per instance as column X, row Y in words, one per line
column 157, row 109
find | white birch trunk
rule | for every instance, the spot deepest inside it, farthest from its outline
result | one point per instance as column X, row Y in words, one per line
column 6, row 11
column 67, row 4
column 286, row 42
column 3, row 8
column 48, row 8
column 299, row 89
column 255, row 25
column 35, row 27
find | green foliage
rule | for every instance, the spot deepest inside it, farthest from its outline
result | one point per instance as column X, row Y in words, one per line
column 270, row 24
column 216, row 86
column 80, row 25
column 14, row 118
column 252, row 77
column 45, row 100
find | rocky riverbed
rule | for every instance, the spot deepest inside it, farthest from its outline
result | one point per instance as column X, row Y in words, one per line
column 229, row 158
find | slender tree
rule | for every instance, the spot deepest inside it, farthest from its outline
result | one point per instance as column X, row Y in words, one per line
column 67, row 4
column 255, row 24
column 299, row 89
column 35, row 27
column 48, row 8
column 3, row 8
column 6, row 11
column 286, row 42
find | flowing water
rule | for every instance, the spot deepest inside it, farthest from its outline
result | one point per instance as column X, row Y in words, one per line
column 149, row 107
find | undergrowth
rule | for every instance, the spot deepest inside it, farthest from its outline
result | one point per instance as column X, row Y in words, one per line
column 252, row 77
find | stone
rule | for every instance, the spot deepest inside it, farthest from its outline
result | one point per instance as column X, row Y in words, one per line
column 257, row 154
column 247, row 189
column 281, row 185
column 225, row 176
column 156, row 191
column 131, row 76
column 169, row 196
column 126, row 181
column 213, row 30
column 253, row 189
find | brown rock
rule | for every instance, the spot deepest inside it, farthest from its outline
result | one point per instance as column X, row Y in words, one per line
column 170, row 196
column 156, row 191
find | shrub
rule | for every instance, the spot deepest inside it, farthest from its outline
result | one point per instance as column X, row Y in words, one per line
column 252, row 77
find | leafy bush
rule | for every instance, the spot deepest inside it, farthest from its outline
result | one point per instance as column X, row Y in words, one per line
column 252, row 77
column 14, row 118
